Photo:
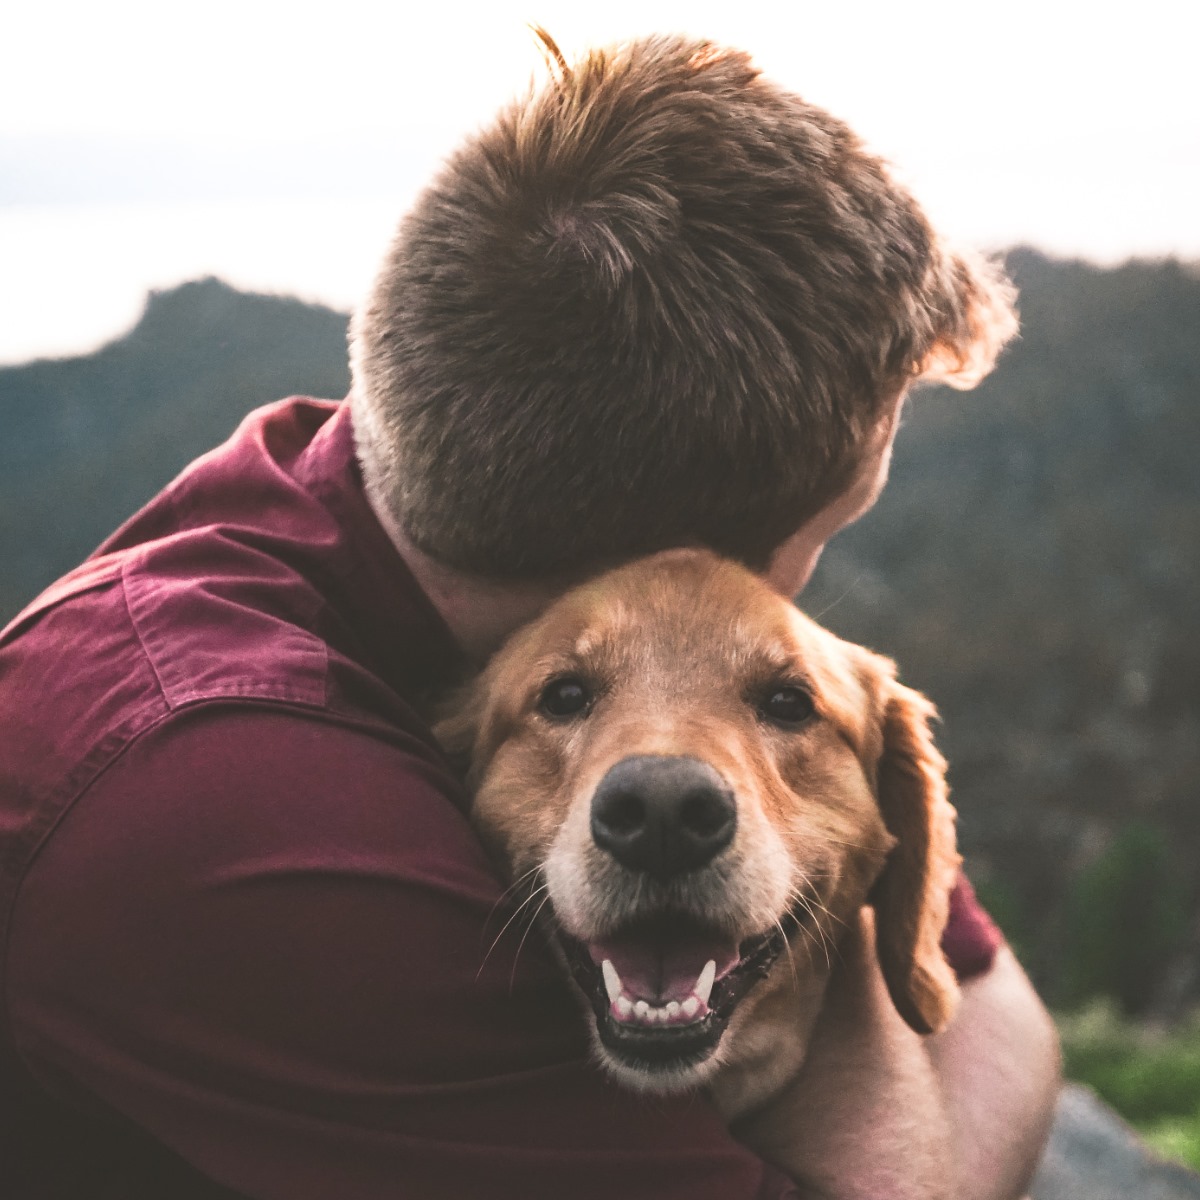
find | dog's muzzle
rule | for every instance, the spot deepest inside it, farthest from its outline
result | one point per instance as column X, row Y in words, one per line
column 663, row 984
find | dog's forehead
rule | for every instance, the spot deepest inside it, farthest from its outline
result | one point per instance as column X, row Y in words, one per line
column 684, row 608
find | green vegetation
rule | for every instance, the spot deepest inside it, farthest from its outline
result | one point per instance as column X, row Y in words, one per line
column 1150, row 1076
column 1126, row 916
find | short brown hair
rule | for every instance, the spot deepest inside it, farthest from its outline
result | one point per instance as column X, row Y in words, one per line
column 659, row 301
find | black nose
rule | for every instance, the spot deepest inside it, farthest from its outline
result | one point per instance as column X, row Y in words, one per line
column 663, row 816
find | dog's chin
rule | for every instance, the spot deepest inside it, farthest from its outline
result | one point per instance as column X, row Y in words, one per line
column 661, row 1072
column 662, row 991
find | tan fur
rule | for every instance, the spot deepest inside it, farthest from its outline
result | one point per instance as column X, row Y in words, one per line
column 849, row 807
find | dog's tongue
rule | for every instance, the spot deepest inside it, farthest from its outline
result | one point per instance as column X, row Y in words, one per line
column 660, row 960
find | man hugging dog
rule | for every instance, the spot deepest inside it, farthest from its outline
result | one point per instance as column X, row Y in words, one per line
column 659, row 302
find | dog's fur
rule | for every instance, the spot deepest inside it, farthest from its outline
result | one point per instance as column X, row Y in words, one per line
column 843, row 809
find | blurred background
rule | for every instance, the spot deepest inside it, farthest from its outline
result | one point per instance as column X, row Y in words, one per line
column 191, row 198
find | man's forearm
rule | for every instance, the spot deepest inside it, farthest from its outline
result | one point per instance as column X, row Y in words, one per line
column 865, row 1118
column 880, row 1111
column 998, row 1068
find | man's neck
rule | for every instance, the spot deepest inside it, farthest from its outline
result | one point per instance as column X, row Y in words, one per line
column 480, row 613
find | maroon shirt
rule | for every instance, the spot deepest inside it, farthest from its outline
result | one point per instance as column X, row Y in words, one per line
column 245, row 913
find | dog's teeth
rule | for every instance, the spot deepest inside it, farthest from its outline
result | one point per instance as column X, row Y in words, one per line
column 704, row 984
column 612, row 981
column 644, row 1013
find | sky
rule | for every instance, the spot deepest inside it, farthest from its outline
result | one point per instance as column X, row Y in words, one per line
column 276, row 145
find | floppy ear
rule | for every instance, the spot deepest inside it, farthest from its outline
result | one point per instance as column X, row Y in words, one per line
column 912, row 895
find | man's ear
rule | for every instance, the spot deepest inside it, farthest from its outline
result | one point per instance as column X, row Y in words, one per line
column 912, row 895
column 973, row 302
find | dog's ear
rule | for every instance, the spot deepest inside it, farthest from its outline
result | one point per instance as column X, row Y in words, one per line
column 975, row 317
column 458, row 725
column 912, row 895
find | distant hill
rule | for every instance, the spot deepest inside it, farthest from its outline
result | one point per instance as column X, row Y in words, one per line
column 1034, row 566
column 89, row 440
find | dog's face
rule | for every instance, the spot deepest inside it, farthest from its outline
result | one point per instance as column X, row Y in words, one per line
column 704, row 781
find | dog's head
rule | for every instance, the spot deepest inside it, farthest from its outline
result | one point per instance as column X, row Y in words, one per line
column 702, row 778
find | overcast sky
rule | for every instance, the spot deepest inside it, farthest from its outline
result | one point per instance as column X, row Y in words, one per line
column 276, row 144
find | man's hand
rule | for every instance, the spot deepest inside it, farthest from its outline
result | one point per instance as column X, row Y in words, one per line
column 880, row 1113
column 864, row 1120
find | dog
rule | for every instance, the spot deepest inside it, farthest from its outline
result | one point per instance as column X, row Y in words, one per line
column 720, row 799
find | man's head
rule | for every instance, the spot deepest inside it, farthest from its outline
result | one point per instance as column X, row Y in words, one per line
column 660, row 301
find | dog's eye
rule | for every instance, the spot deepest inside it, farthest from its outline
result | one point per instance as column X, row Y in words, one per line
column 566, row 697
column 786, row 705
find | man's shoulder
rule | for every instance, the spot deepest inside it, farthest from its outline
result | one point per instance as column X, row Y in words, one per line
column 133, row 635
column 257, row 575
column 251, row 586
column 75, row 685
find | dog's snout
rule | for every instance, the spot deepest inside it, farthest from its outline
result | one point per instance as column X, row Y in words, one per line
column 663, row 815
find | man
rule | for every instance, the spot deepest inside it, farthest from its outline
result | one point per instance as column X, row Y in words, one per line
column 659, row 302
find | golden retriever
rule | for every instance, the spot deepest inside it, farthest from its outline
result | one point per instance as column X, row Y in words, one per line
column 711, row 788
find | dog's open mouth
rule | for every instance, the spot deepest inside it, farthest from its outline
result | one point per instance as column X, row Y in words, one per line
column 664, row 987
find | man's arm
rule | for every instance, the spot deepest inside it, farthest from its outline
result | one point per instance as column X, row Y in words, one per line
column 999, row 1067
column 864, row 1119
column 264, row 939
column 880, row 1111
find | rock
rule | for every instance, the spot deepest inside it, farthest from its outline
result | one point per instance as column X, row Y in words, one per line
column 1094, row 1155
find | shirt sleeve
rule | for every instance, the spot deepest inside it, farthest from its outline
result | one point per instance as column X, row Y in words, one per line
column 274, row 943
column 971, row 938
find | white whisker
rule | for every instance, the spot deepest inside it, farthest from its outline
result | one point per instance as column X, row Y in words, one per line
column 533, row 895
column 512, row 978
column 834, row 603
column 787, row 945
column 511, row 890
